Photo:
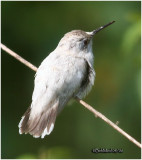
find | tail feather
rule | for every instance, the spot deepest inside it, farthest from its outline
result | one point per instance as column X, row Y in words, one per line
column 23, row 123
column 51, row 120
column 42, row 124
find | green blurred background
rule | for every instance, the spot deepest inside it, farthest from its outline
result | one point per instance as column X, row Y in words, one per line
column 33, row 30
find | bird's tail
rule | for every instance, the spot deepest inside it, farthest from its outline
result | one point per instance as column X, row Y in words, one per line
column 41, row 124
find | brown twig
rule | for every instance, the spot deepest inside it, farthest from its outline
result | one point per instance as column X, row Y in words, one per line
column 90, row 108
column 19, row 58
column 100, row 115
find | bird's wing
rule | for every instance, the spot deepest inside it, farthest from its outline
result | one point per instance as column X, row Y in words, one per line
column 88, row 81
column 57, row 79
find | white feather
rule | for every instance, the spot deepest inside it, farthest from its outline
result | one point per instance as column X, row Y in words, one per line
column 51, row 128
column 36, row 136
column 20, row 124
column 44, row 133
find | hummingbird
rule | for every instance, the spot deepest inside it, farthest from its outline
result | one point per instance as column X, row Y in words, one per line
column 66, row 73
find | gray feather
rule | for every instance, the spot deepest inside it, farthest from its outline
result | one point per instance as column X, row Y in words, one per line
column 39, row 123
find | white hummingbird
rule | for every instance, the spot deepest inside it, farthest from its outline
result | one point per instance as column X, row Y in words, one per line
column 65, row 74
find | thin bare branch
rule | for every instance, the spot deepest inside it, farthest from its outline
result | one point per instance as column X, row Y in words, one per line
column 100, row 115
column 90, row 108
column 19, row 58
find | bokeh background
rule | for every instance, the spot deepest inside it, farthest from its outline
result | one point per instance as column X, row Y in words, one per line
column 33, row 30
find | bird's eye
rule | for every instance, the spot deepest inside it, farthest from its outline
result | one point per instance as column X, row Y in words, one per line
column 85, row 42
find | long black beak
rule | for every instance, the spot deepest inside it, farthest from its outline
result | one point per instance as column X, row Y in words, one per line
column 102, row 27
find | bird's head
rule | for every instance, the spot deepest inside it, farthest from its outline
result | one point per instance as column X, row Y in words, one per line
column 78, row 40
